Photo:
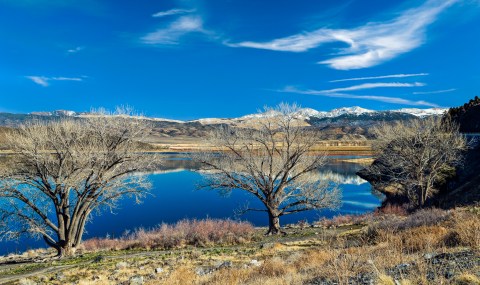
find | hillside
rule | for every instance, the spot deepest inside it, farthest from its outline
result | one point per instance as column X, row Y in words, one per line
column 467, row 116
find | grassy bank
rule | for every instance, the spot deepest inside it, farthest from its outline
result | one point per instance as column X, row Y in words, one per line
column 427, row 247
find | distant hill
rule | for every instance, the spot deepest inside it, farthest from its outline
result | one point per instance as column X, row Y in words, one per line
column 467, row 116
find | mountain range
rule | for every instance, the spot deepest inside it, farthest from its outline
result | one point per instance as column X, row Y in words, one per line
column 304, row 113
column 342, row 123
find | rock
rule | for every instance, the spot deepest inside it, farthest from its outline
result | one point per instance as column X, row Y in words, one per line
column 267, row 245
column 95, row 277
column 121, row 265
column 151, row 276
column 25, row 281
column 60, row 277
column 201, row 271
column 223, row 264
column 449, row 274
column 158, row 270
column 429, row 255
column 136, row 280
column 98, row 259
column 255, row 262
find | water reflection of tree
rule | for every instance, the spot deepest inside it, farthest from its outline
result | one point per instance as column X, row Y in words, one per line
column 271, row 161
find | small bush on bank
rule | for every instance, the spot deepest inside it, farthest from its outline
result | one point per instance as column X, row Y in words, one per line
column 423, row 217
column 464, row 230
column 389, row 209
column 345, row 220
column 182, row 233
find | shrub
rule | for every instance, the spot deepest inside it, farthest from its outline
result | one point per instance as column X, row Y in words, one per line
column 345, row 220
column 185, row 232
column 386, row 227
column 464, row 230
column 423, row 238
column 274, row 267
column 423, row 217
column 390, row 209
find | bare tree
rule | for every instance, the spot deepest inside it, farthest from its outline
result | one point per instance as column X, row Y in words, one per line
column 272, row 160
column 417, row 156
column 63, row 170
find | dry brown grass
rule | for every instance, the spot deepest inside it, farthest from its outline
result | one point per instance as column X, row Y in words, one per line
column 186, row 232
column 335, row 258
column 339, row 262
column 464, row 230
column 425, row 238
column 467, row 279
column 182, row 275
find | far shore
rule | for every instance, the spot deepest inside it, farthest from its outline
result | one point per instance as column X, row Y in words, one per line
column 185, row 145
column 332, row 147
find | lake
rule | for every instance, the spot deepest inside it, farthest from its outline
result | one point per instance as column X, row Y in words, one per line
column 175, row 197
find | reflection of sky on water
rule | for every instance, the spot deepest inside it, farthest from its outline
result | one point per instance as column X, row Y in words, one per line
column 176, row 197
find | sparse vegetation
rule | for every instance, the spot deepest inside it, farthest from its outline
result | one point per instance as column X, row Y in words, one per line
column 183, row 233
column 413, row 253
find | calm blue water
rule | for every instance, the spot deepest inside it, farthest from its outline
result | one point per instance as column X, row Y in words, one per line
column 175, row 197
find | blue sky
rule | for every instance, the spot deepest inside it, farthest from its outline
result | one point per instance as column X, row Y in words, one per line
column 226, row 58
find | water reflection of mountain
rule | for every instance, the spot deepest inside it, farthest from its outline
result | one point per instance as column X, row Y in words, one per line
column 335, row 171
column 339, row 178
column 341, row 173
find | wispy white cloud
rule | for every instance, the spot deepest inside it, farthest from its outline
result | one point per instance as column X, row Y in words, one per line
column 370, row 44
column 373, row 85
column 435, row 92
column 381, row 77
column 172, row 12
column 171, row 34
column 45, row 81
column 75, row 50
column 327, row 93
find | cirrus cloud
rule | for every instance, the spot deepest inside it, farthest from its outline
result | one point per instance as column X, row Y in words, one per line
column 370, row 44
column 336, row 93
column 171, row 34
column 402, row 75
column 172, row 12
column 45, row 81
column 435, row 92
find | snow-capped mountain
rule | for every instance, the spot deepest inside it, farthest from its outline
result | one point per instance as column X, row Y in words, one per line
column 56, row 113
column 347, row 111
column 348, row 123
column 308, row 113
column 302, row 114
column 422, row 112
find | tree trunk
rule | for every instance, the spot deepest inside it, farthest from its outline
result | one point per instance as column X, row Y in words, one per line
column 273, row 223
column 66, row 250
